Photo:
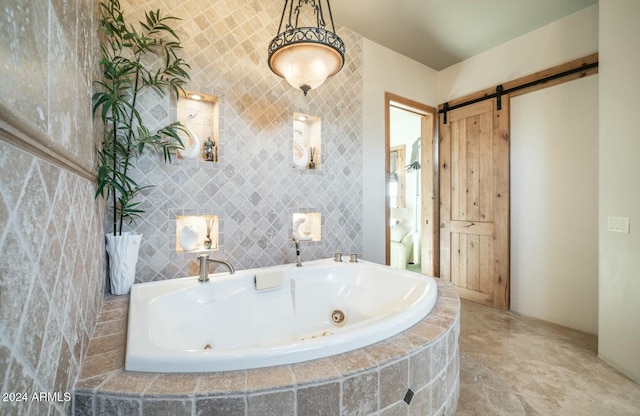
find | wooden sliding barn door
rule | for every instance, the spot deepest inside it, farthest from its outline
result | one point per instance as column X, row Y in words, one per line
column 474, row 201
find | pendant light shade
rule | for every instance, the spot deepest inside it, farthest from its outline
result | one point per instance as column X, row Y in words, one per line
column 305, row 55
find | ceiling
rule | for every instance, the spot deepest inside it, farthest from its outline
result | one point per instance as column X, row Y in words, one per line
column 440, row 33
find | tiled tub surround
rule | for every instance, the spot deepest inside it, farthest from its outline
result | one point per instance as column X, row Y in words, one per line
column 374, row 380
column 51, row 274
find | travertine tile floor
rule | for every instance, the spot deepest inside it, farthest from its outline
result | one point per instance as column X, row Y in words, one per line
column 515, row 365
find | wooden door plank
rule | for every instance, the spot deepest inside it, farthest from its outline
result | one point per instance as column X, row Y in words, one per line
column 463, row 260
column 455, row 259
column 444, row 162
column 473, row 227
column 486, row 265
column 472, row 169
column 485, row 212
column 470, row 111
column 473, row 262
column 501, row 145
column 456, row 132
column 461, row 186
column 428, row 264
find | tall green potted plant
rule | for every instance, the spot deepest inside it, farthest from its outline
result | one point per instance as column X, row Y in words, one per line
column 133, row 60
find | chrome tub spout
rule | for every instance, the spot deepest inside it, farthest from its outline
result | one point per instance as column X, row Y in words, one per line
column 204, row 271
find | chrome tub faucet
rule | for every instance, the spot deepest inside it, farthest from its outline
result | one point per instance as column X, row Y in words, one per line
column 204, row 271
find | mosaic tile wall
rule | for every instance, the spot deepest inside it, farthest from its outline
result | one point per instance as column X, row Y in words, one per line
column 51, row 232
column 254, row 188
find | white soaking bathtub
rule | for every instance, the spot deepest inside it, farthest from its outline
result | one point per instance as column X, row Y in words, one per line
column 320, row 309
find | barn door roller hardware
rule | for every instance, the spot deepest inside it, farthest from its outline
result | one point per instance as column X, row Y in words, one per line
column 500, row 91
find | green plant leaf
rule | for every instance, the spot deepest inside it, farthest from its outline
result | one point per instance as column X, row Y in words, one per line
column 132, row 59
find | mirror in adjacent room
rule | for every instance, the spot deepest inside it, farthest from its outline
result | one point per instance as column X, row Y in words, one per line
column 307, row 143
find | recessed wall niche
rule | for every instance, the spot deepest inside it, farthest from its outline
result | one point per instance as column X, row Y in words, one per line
column 307, row 226
column 199, row 113
column 307, row 142
column 196, row 233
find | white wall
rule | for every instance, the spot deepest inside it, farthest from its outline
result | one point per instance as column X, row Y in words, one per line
column 556, row 43
column 554, row 204
column 545, row 290
column 619, row 318
column 384, row 71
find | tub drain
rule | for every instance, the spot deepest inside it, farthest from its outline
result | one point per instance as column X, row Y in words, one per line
column 338, row 317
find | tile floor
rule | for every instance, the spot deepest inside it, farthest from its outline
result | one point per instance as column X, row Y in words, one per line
column 515, row 365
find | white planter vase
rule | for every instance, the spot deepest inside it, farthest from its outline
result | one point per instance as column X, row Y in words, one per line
column 123, row 256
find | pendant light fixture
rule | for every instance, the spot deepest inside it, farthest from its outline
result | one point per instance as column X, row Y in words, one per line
column 305, row 53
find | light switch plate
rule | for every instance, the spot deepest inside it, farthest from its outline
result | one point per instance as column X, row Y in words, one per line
column 618, row 224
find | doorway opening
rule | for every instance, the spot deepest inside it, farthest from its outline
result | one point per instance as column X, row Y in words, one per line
column 411, row 185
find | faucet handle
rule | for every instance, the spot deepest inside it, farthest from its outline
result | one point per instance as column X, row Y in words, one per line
column 337, row 256
column 353, row 257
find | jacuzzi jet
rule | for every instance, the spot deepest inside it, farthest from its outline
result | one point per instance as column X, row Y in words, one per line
column 208, row 347
column 338, row 317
